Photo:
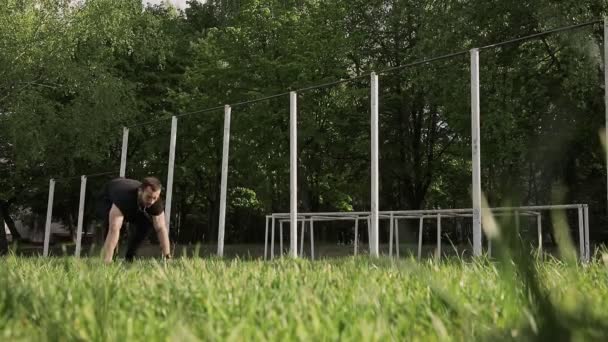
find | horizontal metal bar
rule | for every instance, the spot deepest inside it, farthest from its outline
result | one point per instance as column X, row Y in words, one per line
column 522, row 210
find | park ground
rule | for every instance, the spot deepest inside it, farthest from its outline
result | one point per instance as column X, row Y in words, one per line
column 347, row 298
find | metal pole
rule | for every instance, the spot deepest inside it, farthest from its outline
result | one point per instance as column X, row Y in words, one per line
column 539, row 230
column 171, row 166
column 281, row 238
column 581, row 232
column 397, row 237
column 312, row 240
column 517, row 224
column 272, row 240
column 369, row 233
column 587, row 249
column 83, row 189
column 420, row 238
column 390, row 238
column 266, row 240
column 438, row 236
column 374, row 247
column 123, row 154
column 475, row 147
column 356, row 234
column 293, row 172
column 224, row 183
column 49, row 217
column 302, row 238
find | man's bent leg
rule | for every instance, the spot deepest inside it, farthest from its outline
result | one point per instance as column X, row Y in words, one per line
column 139, row 234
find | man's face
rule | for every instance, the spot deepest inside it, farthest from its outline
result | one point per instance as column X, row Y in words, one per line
column 147, row 196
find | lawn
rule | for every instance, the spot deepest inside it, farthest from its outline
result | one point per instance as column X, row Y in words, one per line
column 189, row 299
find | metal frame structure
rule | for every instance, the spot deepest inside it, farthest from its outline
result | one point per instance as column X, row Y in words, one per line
column 374, row 214
column 438, row 214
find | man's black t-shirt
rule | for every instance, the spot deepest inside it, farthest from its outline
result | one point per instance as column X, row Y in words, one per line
column 122, row 192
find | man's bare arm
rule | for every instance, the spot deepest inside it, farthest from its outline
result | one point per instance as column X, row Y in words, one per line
column 115, row 223
column 162, row 233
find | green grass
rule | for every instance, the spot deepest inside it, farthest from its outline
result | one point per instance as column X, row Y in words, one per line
column 364, row 299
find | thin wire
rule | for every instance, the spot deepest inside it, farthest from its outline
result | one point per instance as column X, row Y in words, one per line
column 380, row 72
column 540, row 34
column 147, row 122
column 233, row 105
column 200, row 111
column 451, row 55
column 259, row 99
column 329, row 84
column 87, row 176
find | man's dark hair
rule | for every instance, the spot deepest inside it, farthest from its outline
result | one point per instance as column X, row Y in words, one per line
column 151, row 182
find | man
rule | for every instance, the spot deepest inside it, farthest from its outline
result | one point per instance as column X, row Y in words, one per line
column 138, row 203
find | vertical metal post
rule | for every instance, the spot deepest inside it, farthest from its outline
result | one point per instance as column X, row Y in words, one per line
column 171, row 166
column 123, row 154
column 302, row 237
column 356, row 234
column 539, row 231
column 293, row 171
column 390, row 237
column 369, row 233
column 224, row 183
column 83, row 189
column 266, row 239
column 374, row 245
column 397, row 237
column 581, row 232
column 272, row 239
column 420, row 237
column 517, row 224
column 476, row 151
column 438, row 237
column 587, row 249
column 312, row 240
column 281, row 238
column 49, row 217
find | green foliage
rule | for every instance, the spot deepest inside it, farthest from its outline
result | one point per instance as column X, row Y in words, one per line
column 74, row 72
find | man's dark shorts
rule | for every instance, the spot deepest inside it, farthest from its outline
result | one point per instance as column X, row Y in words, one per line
column 139, row 227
